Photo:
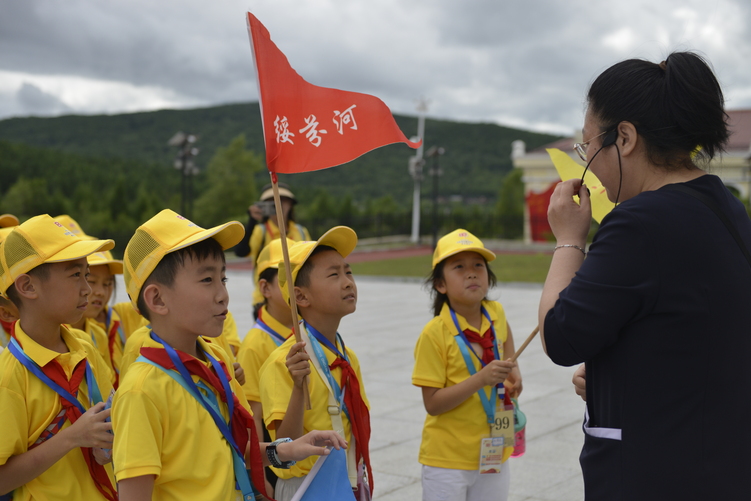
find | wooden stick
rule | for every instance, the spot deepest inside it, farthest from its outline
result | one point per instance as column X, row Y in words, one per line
column 526, row 342
column 282, row 224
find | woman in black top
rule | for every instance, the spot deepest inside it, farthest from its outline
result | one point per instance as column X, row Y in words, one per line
column 660, row 309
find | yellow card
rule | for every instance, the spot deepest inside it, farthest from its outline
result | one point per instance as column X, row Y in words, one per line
column 568, row 168
column 491, row 455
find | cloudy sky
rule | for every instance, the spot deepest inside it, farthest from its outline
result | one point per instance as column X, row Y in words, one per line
column 523, row 63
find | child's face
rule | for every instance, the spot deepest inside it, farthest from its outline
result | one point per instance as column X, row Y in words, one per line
column 332, row 289
column 198, row 299
column 63, row 296
column 101, row 282
column 465, row 279
column 273, row 293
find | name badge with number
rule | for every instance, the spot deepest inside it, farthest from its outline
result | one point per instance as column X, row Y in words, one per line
column 503, row 425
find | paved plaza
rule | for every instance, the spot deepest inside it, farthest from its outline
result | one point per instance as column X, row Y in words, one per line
column 383, row 331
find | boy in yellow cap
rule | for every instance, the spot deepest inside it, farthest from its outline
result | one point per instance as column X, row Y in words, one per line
column 51, row 382
column 325, row 292
column 172, row 439
column 273, row 326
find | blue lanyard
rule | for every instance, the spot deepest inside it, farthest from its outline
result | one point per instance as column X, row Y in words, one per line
column 241, row 474
column 316, row 339
column 275, row 336
column 107, row 324
column 488, row 403
column 95, row 395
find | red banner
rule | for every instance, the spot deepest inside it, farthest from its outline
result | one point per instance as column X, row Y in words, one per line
column 537, row 204
column 307, row 127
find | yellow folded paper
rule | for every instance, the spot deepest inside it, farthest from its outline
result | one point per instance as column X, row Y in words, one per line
column 568, row 169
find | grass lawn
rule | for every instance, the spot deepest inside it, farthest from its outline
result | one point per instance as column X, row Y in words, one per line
column 507, row 267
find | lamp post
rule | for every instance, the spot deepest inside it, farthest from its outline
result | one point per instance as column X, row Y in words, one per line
column 435, row 152
column 184, row 163
column 416, row 164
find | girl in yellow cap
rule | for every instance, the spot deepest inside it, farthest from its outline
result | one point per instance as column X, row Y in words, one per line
column 461, row 366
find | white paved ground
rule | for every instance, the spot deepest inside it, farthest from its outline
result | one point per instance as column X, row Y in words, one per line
column 390, row 315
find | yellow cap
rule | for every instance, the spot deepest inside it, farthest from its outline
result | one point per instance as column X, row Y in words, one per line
column 7, row 220
column 270, row 256
column 71, row 225
column 41, row 240
column 4, row 232
column 105, row 258
column 164, row 233
column 341, row 238
column 459, row 241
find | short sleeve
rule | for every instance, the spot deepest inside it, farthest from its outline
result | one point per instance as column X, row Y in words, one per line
column 617, row 284
column 275, row 387
column 251, row 361
column 430, row 358
column 136, row 422
column 15, row 424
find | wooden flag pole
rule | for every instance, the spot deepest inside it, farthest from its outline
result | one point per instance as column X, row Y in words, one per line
column 290, row 284
column 526, row 342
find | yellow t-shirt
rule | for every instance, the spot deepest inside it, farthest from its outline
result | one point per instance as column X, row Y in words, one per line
column 97, row 336
column 276, row 388
column 130, row 318
column 452, row 439
column 138, row 338
column 117, row 347
column 28, row 406
column 255, row 349
column 229, row 333
column 160, row 429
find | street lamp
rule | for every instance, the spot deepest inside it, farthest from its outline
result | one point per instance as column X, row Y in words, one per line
column 184, row 163
column 415, row 169
column 435, row 171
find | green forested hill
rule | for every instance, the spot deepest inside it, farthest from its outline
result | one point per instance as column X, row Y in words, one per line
column 476, row 159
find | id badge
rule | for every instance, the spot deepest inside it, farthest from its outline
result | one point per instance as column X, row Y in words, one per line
column 491, row 455
column 503, row 425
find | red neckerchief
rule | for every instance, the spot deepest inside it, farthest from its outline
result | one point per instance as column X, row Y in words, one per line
column 359, row 415
column 7, row 326
column 55, row 372
column 243, row 426
column 486, row 341
column 111, row 339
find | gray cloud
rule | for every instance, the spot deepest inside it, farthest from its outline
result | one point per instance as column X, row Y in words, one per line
column 34, row 101
column 521, row 62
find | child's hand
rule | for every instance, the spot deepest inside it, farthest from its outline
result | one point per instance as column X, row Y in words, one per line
column 298, row 363
column 101, row 456
column 514, row 382
column 239, row 373
column 580, row 381
column 314, row 443
column 90, row 430
column 496, row 372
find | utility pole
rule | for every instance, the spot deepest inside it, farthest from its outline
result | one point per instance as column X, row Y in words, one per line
column 415, row 169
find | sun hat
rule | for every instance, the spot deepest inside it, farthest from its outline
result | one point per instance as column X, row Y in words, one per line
column 41, row 240
column 268, row 193
column 459, row 241
column 271, row 255
column 341, row 238
column 71, row 225
column 106, row 258
column 7, row 220
column 164, row 233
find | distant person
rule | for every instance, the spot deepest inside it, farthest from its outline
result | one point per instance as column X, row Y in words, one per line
column 262, row 228
column 659, row 309
column 460, row 360
column 325, row 292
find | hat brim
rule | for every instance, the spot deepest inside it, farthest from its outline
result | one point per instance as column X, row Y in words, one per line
column 283, row 192
column 115, row 266
column 80, row 249
column 228, row 235
column 488, row 255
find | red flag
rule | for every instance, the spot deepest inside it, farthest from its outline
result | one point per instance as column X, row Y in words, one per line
column 307, row 127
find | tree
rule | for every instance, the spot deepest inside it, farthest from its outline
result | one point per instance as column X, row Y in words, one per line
column 510, row 207
column 230, row 186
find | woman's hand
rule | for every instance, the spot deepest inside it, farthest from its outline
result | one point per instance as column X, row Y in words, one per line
column 580, row 381
column 568, row 220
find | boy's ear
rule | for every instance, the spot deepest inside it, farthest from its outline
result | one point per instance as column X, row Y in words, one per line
column 302, row 298
column 440, row 286
column 264, row 287
column 7, row 315
column 154, row 300
column 25, row 287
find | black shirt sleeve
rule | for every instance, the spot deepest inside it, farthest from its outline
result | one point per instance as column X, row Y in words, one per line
column 242, row 249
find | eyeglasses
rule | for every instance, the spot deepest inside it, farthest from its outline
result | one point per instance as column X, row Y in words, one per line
column 581, row 148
